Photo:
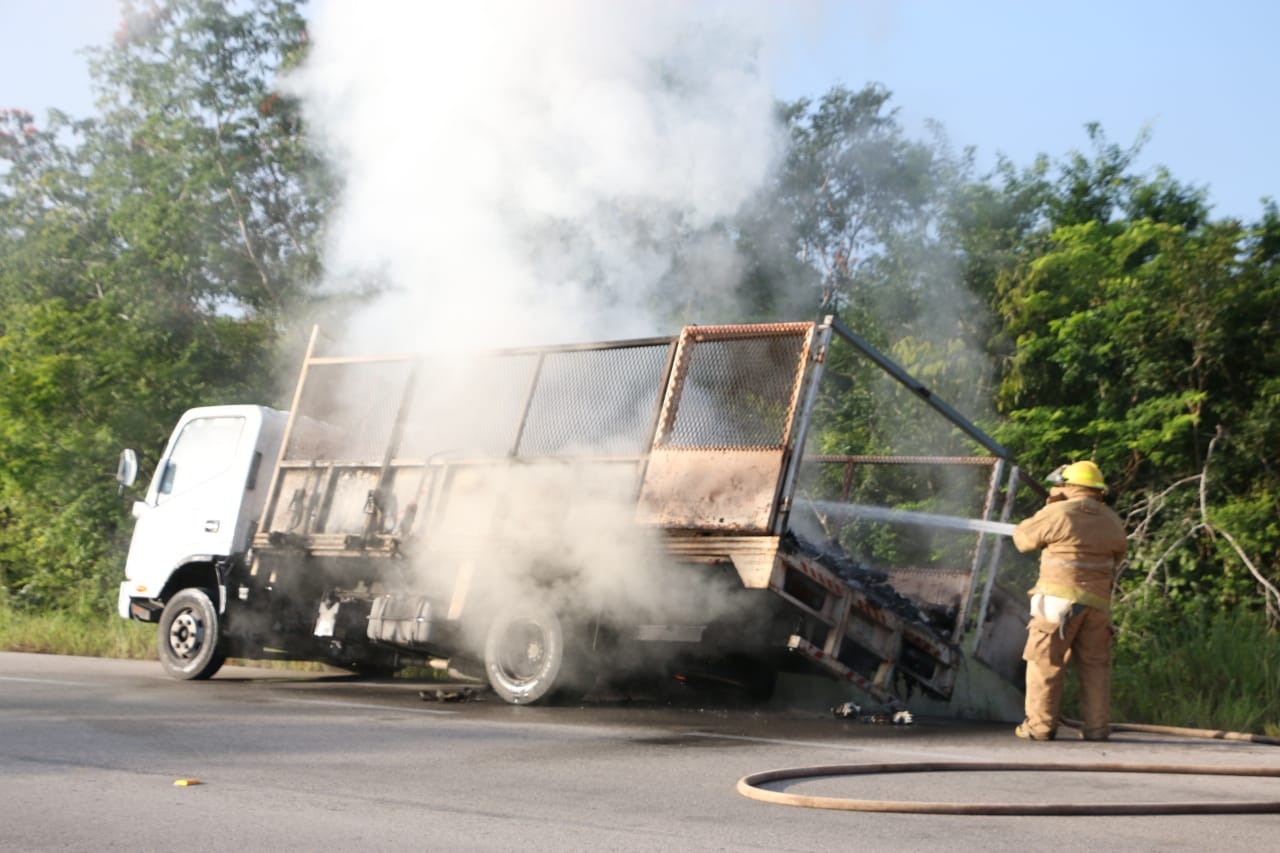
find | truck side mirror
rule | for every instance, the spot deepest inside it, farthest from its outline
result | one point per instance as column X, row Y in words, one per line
column 127, row 469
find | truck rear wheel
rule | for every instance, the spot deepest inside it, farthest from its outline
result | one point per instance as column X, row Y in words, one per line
column 190, row 638
column 524, row 654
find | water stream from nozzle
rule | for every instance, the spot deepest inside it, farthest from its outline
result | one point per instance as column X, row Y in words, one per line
column 925, row 519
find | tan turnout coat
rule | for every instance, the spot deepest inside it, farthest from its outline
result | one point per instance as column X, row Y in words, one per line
column 1083, row 541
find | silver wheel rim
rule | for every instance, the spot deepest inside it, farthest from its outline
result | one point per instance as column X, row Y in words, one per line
column 186, row 633
column 522, row 652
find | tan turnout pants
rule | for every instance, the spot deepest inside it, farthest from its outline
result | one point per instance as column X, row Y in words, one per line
column 1087, row 636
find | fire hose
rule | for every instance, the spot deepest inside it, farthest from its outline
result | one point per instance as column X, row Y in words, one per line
column 750, row 786
column 1211, row 734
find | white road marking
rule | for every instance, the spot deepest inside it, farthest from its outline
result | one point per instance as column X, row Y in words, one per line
column 48, row 681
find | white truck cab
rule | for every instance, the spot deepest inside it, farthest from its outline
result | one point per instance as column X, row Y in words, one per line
column 202, row 505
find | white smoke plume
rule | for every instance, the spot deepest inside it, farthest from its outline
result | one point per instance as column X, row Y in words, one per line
column 532, row 167
column 522, row 173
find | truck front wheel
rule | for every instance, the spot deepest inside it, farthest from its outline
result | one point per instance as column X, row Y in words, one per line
column 524, row 654
column 190, row 639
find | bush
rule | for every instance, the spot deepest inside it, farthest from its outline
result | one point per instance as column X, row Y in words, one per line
column 1205, row 669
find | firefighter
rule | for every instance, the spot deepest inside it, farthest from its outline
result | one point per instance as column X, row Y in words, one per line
column 1082, row 542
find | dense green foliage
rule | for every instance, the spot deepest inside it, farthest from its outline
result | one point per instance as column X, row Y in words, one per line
column 1138, row 333
column 1210, row 670
column 161, row 253
column 150, row 255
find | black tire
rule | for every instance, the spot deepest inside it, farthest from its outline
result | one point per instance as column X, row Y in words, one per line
column 524, row 655
column 190, row 636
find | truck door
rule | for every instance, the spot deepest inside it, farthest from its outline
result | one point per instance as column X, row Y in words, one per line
column 195, row 497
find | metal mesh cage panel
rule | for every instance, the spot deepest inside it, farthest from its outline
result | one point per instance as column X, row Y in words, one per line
column 600, row 401
column 468, row 409
column 580, row 401
column 347, row 410
column 736, row 392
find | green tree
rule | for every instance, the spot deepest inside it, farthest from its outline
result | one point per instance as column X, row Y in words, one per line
column 215, row 196
column 859, row 223
column 153, row 255
column 1141, row 335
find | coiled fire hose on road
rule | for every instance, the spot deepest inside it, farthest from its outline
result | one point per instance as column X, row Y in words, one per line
column 749, row 786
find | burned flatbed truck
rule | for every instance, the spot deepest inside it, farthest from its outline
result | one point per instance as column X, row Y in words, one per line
column 545, row 518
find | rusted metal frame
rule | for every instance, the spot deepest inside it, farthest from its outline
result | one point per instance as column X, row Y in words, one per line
column 337, row 545
column 816, row 573
column 803, row 647
column 988, row 501
column 361, row 359
column 801, row 374
column 668, row 377
column 850, row 460
column 503, row 351
column 674, row 387
column 870, row 632
column 884, row 674
column 747, row 331
column 855, row 606
column 800, row 605
column 1006, row 512
column 864, row 630
column 435, row 462
column 809, row 375
column 659, row 405
column 633, row 343
column 690, row 336
column 273, row 496
column 916, row 387
column 935, row 646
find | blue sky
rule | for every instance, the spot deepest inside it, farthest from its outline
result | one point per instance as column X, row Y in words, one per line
column 1019, row 78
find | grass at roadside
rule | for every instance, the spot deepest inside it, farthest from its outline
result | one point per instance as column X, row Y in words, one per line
column 1204, row 671
column 63, row 633
column 108, row 636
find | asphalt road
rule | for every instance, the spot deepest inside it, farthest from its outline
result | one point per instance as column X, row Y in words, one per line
column 90, row 751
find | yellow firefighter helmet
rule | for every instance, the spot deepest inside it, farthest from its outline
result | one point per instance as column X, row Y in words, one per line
column 1083, row 473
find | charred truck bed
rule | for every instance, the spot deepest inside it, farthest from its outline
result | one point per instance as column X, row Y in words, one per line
column 550, row 516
